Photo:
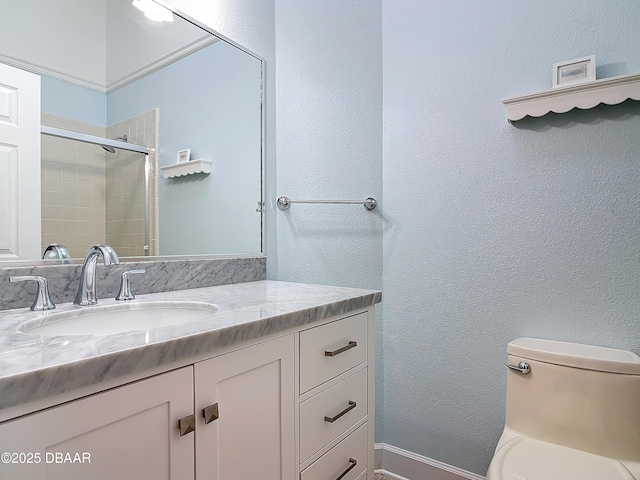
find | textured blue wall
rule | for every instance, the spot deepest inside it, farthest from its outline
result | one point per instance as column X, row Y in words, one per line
column 329, row 101
column 491, row 230
column 329, row 134
column 499, row 230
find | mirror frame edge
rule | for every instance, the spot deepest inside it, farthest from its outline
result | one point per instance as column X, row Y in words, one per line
column 261, row 206
column 261, row 59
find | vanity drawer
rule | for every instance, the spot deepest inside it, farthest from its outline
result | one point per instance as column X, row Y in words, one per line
column 350, row 454
column 348, row 396
column 331, row 349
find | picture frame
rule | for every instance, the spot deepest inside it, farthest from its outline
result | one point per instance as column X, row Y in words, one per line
column 184, row 155
column 573, row 72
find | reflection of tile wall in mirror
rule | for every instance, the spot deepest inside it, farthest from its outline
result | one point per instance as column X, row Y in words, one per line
column 85, row 189
column 73, row 188
column 125, row 196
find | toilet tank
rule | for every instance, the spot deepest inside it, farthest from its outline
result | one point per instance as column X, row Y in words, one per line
column 580, row 396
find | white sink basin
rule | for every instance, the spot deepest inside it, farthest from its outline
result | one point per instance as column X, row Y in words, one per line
column 109, row 319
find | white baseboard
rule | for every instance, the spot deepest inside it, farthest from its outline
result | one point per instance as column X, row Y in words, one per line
column 398, row 464
column 386, row 474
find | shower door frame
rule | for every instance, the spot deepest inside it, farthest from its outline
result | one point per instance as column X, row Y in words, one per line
column 132, row 147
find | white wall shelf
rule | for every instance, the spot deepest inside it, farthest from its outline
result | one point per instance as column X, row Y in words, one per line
column 611, row 91
column 186, row 168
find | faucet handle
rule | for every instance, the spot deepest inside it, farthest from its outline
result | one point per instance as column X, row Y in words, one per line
column 125, row 292
column 43, row 299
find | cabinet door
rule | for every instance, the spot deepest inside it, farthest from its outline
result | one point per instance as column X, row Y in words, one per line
column 128, row 433
column 253, row 436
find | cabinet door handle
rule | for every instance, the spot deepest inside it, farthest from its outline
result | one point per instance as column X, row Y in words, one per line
column 351, row 406
column 210, row 413
column 353, row 463
column 187, row 424
column 340, row 350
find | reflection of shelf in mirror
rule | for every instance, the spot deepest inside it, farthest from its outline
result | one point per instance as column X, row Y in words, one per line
column 611, row 91
column 186, row 168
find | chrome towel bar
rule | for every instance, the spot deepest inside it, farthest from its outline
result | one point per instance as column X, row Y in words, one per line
column 285, row 202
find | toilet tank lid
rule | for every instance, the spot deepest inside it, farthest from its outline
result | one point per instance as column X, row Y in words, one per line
column 567, row 354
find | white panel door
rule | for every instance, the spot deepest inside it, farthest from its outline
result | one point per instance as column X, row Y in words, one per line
column 128, row 433
column 19, row 164
column 253, row 437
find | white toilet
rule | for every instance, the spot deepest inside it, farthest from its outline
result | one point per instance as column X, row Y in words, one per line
column 573, row 413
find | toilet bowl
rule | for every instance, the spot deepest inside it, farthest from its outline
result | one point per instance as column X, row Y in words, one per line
column 523, row 458
column 572, row 413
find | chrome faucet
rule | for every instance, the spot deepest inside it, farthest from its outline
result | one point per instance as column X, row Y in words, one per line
column 87, row 294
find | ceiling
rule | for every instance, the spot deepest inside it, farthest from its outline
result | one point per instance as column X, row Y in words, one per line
column 100, row 44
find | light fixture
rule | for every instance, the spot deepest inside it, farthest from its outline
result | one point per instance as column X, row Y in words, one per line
column 153, row 11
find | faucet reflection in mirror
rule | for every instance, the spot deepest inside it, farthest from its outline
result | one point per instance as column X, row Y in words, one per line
column 56, row 251
column 91, row 195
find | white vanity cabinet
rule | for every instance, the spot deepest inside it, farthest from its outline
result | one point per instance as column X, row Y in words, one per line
column 247, row 398
column 126, row 433
column 295, row 407
column 131, row 432
column 336, row 399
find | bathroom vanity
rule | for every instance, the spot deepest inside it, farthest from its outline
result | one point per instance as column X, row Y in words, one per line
column 276, row 384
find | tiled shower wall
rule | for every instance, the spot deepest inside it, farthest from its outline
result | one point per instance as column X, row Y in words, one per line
column 84, row 188
column 73, row 188
column 125, row 187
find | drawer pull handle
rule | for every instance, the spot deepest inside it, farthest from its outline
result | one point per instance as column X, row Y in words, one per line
column 340, row 350
column 210, row 413
column 353, row 463
column 187, row 424
column 351, row 406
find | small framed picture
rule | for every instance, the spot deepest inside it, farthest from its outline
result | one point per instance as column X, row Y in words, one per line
column 576, row 71
column 183, row 155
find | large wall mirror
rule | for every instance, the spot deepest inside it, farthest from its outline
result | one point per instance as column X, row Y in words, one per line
column 111, row 71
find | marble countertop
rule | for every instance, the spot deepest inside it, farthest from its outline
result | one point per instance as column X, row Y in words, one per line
column 33, row 366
